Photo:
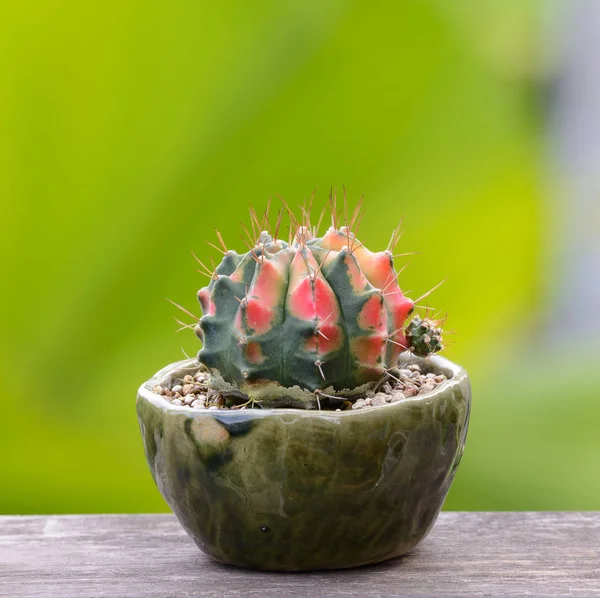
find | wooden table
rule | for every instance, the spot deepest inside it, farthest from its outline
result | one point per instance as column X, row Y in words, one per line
column 466, row 554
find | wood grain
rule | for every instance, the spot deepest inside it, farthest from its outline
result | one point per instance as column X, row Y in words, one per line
column 466, row 554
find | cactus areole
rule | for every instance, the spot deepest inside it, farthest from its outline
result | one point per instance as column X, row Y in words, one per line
column 317, row 316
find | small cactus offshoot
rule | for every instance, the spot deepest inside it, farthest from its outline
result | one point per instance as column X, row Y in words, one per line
column 424, row 337
column 292, row 321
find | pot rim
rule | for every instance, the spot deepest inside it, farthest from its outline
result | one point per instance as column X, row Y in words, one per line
column 458, row 376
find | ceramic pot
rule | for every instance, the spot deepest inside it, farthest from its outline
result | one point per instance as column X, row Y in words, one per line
column 291, row 489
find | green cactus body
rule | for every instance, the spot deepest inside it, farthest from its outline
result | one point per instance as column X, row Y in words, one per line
column 292, row 320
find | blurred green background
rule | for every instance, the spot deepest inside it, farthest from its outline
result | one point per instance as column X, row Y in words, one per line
column 129, row 130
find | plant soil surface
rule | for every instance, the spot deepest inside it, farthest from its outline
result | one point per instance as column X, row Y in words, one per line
column 405, row 382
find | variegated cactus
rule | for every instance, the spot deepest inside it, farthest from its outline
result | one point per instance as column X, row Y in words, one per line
column 290, row 322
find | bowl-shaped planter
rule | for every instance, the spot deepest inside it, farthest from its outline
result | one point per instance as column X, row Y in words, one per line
column 291, row 489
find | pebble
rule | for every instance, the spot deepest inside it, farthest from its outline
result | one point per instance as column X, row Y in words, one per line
column 398, row 396
column 201, row 377
column 158, row 389
column 413, row 367
column 187, row 389
column 188, row 399
column 359, row 404
column 380, row 399
column 188, row 379
column 212, row 407
column 368, row 402
column 176, row 402
column 177, row 388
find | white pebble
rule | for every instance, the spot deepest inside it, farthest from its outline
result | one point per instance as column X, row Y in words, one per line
column 380, row 399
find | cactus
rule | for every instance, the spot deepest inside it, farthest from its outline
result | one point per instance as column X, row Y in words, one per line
column 288, row 323
column 424, row 337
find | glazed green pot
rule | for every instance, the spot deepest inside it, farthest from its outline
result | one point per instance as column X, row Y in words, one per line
column 291, row 489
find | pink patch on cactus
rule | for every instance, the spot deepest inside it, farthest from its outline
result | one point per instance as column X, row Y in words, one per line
column 238, row 274
column 269, row 281
column 268, row 291
column 379, row 270
column 401, row 340
column 334, row 340
column 253, row 353
column 371, row 316
column 357, row 278
column 334, row 239
column 328, row 316
column 321, row 346
column 327, row 303
column 301, row 295
column 398, row 308
column 377, row 267
column 259, row 317
column 301, row 302
column 207, row 305
column 369, row 350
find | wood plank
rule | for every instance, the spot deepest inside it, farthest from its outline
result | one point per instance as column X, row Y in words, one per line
column 466, row 554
